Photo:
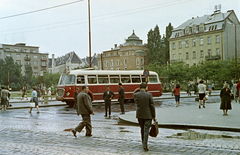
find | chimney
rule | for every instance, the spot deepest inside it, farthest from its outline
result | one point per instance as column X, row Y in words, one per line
column 53, row 62
column 115, row 45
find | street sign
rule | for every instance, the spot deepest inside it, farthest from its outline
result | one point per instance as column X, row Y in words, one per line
column 146, row 73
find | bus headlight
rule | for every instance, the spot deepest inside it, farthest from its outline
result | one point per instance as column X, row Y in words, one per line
column 68, row 93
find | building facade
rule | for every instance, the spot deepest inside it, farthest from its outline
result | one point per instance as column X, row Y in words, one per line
column 210, row 37
column 130, row 55
column 25, row 55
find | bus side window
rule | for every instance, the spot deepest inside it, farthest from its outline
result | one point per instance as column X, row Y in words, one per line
column 153, row 79
column 103, row 79
column 92, row 79
column 143, row 78
column 136, row 79
column 125, row 78
column 80, row 79
column 114, row 79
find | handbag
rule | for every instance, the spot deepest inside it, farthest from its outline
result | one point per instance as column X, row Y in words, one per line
column 206, row 97
column 154, row 129
column 32, row 105
column 231, row 96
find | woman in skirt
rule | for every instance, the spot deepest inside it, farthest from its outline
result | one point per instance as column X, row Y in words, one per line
column 225, row 99
column 34, row 99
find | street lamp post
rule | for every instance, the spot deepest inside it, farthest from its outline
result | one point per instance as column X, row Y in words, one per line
column 89, row 26
column 236, row 51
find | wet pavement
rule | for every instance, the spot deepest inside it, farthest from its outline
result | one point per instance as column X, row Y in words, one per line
column 48, row 133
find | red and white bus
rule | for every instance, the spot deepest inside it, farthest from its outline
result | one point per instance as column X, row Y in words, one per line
column 97, row 80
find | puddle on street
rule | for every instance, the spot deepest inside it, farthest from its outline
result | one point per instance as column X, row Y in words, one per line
column 192, row 135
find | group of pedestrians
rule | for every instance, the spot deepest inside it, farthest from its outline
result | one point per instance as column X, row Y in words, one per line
column 4, row 98
column 145, row 109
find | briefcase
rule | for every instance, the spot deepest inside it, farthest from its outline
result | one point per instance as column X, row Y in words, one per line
column 154, row 129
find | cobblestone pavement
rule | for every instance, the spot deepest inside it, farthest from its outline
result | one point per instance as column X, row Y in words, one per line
column 24, row 133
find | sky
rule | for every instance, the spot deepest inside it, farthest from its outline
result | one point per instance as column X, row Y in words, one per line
column 65, row 29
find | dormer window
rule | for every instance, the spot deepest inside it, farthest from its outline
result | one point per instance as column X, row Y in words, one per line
column 215, row 27
column 209, row 28
column 212, row 27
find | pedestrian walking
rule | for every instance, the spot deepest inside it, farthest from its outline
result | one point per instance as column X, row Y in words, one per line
column 121, row 98
column 34, row 99
column 202, row 93
column 4, row 98
column 75, row 97
column 24, row 93
column 145, row 113
column 234, row 90
column 43, row 91
column 52, row 91
column 213, row 87
column 225, row 99
column 165, row 86
column 172, row 86
column 108, row 95
column 176, row 92
column 49, row 92
column 84, row 107
column 196, row 88
column 210, row 89
column 189, row 87
column 38, row 92
column 238, row 91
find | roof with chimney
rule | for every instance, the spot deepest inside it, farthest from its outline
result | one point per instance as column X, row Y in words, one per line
column 94, row 61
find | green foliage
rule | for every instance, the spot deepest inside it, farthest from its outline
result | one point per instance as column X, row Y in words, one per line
column 169, row 29
column 48, row 79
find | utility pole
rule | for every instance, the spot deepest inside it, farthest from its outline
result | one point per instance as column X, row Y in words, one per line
column 236, row 51
column 89, row 26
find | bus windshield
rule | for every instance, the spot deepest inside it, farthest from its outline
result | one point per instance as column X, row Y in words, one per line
column 67, row 79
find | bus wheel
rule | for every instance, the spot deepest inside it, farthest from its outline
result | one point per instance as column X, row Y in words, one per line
column 70, row 104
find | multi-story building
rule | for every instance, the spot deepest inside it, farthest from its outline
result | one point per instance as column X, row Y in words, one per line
column 210, row 37
column 25, row 55
column 127, row 56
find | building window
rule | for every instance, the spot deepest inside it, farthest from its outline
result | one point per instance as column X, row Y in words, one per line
column 174, row 46
column 99, row 65
column 137, row 61
column 217, row 39
column 209, row 40
column 117, row 62
column 34, row 51
column 35, row 62
column 125, row 68
column 194, row 55
column 142, row 61
column 125, row 61
column 187, row 55
column 201, row 41
column 16, row 50
column 105, row 54
column 43, row 63
column 137, row 67
column 27, row 63
column 194, row 43
column 111, row 54
column 218, row 51
column 7, row 49
column 18, row 55
column 180, row 56
column 112, row 62
column 187, row 43
column 174, row 57
column 180, row 44
column 209, row 52
column 215, row 27
column 8, row 55
column 106, row 63
column 194, row 30
column 35, row 56
column 35, row 67
column 111, row 68
column 201, row 54
column 18, row 62
column 201, row 28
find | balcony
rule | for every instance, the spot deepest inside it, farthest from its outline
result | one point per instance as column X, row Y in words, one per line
column 27, row 58
column 44, row 59
column 212, row 57
column 176, row 61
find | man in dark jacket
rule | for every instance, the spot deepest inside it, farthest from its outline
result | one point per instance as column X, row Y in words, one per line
column 145, row 112
column 75, row 95
column 121, row 97
column 84, row 107
column 108, row 95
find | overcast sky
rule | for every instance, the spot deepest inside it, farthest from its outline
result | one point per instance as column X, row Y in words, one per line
column 65, row 29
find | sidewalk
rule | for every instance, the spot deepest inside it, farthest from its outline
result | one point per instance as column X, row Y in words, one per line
column 191, row 117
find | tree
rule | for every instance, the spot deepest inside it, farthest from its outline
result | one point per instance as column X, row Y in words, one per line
column 169, row 29
column 155, row 52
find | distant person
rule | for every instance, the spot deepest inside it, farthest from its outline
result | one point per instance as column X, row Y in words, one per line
column 121, row 98
column 189, row 88
column 172, row 86
column 225, row 99
column 52, row 91
column 238, row 91
column 84, row 107
column 145, row 113
column 108, row 95
column 4, row 98
column 202, row 93
column 34, row 99
column 165, row 86
column 24, row 93
column 75, row 95
column 49, row 92
column 38, row 92
column 210, row 89
column 176, row 92
column 213, row 87
column 43, row 91
column 196, row 88
column 234, row 90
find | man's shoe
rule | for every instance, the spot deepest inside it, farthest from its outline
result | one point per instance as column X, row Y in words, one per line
column 145, row 149
column 88, row 135
column 105, row 115
column 74, row 132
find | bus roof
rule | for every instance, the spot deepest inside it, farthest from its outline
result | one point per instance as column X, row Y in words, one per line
column 104, row 72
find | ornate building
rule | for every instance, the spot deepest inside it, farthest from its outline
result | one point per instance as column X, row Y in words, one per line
column 130, row 55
